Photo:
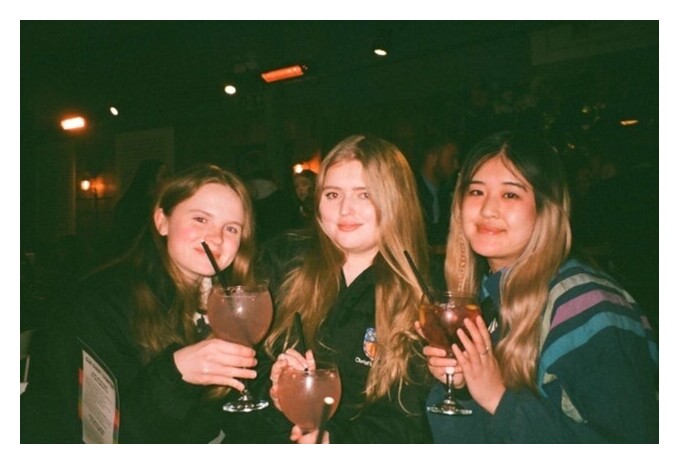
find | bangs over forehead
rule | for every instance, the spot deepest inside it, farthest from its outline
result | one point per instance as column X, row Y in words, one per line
column 511, row 167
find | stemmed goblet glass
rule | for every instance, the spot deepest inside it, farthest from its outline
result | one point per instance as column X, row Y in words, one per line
column 241, row 314
column 440, row 320
column 301, row 394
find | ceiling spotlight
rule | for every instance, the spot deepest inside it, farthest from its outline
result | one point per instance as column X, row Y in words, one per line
column 381, row 44
column 113, row 110
column 230, row 89
column 283, row 73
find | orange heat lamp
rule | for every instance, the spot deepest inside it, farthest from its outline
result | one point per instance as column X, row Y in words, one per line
column 74, row 123
column 283, row 73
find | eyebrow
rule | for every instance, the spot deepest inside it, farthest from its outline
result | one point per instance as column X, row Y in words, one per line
column 509, row 183
column 333, row 187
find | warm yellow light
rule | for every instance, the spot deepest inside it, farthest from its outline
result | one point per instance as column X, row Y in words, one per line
column 73, row 123
column 380, row 52
column 629, row 122
column 283, row 73
column 85, row 185
column 297, row 168
column 113, row 110
column 230, row 89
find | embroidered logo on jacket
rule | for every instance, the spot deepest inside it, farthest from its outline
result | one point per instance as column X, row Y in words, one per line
column 369, row 346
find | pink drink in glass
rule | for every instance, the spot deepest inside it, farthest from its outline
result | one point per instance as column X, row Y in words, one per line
column 240, row 315
column 301, row 394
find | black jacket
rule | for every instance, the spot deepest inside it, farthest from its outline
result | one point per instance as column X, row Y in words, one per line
column 344, row 336
column 156, row 405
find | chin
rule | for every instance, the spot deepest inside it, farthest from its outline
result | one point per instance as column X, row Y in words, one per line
column 486, row 252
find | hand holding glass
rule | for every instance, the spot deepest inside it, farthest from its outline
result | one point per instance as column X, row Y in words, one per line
column 439, row 321
column 241, row 314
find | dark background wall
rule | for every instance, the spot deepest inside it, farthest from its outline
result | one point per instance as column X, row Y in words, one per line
column 574, row 81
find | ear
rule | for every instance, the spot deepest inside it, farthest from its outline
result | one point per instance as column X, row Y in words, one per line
column 160, row 220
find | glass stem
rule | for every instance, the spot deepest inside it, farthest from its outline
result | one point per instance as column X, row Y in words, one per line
column 245, row 393
column 449, row 386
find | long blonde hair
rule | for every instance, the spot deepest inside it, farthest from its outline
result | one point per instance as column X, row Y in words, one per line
column 525, row 285
column 314, row 285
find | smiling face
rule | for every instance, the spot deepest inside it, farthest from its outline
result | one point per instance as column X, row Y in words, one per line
column 498, row 213
column 214, row 214
column 347, row 215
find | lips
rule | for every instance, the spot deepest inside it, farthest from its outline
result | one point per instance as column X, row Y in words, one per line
column 487, row 230
column 348, row 227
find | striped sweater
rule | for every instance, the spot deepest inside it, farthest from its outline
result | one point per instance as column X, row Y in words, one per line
column 597, row 371
column 582, row 304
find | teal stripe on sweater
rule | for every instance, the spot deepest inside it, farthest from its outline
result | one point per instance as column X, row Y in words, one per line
column 576, row 338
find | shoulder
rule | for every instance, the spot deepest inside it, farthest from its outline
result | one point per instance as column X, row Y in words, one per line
column 114, row 279
column 105, row 294
column 578, row 287
column 584, row 302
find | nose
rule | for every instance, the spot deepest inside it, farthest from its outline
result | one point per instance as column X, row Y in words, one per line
column 489, row 208
column 215, row 236
column 346, row 205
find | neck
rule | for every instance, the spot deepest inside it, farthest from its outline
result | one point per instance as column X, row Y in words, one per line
column 356, row 264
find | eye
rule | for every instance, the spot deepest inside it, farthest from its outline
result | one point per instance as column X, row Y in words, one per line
column 232, row 230
column 200, row 219
column 331, row 195
column 511, row 195
column 364, row 195
column 474, row 192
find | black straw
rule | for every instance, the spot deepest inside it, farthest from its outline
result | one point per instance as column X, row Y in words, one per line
column 300, row 332
column 328, row 401
column 211, row 257
column 420, row 280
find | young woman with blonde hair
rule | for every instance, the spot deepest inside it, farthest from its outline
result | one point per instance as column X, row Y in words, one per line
column 567, row 356
column 357, row 295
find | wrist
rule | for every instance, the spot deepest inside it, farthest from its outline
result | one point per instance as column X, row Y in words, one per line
column 494, row 401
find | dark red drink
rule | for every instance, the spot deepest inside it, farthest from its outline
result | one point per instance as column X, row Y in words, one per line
column 440, row 321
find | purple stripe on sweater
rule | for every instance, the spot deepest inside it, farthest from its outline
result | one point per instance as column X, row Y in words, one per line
column 585, row 301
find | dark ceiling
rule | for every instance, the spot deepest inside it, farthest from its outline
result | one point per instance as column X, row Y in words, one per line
column 163, row 67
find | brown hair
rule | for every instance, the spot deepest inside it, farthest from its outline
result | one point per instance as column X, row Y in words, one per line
column 154, row 326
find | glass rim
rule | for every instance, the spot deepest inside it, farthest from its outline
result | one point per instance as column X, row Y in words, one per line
column 452, row 293
column 242, row 289
column 323, row 366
